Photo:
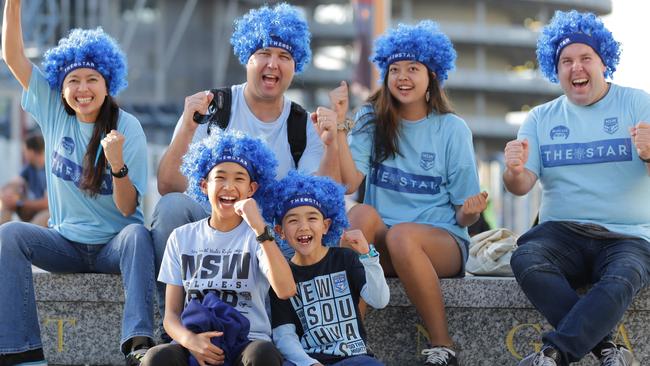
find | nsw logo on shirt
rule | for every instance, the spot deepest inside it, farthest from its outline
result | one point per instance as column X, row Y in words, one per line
column 594, row 152
column 559, row 132
column 427, row 159
column 610, row 125
column 67, row 145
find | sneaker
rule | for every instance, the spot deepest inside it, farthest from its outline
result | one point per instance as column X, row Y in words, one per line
column 548, row 356
column 610, row 354
column 441, row 356
column 135, row 357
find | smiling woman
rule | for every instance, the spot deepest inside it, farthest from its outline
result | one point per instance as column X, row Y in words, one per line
column 96, row 212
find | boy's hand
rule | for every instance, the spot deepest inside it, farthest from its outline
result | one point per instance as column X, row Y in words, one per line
column 355, row 240
column 248, row 210
column 475, row 204
column 204, row 351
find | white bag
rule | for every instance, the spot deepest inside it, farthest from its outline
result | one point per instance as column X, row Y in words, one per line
column 490, row 252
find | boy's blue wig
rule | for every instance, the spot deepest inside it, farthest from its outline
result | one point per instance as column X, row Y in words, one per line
column 280, row 26
column 324, row 190
column 249, row 152
column 585, row 28
column 423, row 42
column 87, row 48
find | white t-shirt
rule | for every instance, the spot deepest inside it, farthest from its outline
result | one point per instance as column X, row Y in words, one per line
column 231, row 264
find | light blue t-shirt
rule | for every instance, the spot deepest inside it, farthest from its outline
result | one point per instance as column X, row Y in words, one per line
column 74, row 214
column 231, row 264
column 434, row 172
column 587, row 164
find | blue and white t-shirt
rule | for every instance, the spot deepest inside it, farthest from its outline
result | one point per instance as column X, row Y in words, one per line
column 231, row 264
column 74, row 214
column 434, row 172
column 587, row 164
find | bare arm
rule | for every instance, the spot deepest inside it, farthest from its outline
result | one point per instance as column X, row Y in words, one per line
column 13, row 47
column 350, row 175
column 517, row 179
column 170, row 178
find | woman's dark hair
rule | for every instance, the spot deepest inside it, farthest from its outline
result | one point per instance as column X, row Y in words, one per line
column 91, row 174
column 386, row 116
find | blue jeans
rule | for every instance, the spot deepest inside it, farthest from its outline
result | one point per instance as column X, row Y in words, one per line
column 552, row 261
column 130, row 253
column 173, row 210
column 362, row 360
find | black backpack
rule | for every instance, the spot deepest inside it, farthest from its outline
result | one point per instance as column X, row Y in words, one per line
column 219, row 114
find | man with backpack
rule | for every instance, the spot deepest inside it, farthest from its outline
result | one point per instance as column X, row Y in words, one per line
column 273, row 44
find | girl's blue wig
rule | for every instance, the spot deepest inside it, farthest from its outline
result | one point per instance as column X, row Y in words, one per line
column 280, row 26
column 423, row 42
column 251, row 153
column 324, row 190
column 87, row 48
column 562, row 26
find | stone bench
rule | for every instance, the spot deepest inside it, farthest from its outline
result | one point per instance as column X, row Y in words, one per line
column 489, row 318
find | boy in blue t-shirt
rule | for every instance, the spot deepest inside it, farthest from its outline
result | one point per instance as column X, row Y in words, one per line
column 321, row 324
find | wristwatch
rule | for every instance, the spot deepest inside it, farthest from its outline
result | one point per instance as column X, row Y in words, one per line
column 266, row 235
column 121, row 173
column 371, row 253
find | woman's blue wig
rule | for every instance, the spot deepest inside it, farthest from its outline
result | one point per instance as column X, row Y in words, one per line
column 423, row 42
column 220, row 147
column 328, row 193
column 565, row 24
column 280, row 26
column 87, row 48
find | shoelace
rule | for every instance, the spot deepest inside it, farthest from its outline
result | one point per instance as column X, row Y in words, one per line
column 438, row 355
column 612, row 357
column 543, row 360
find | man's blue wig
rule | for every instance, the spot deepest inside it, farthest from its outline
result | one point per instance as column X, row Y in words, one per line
column 573, row 27
column 251, row 153
column 281, row 26
column 298, row 189
column 423, row 42
column 87, row 48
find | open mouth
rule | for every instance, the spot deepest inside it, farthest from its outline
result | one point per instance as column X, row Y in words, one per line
column 304, row 239
column 84, row 100
column 580, row 83
column 227, row 200
column 270, row 79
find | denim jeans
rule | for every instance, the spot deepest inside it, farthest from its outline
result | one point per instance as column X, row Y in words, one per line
column 552, row 261
column 173, row 210
column 130, row 253
column 361, row 360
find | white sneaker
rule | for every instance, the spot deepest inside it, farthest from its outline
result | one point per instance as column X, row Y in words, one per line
column 545, row 357
column 439, row 355
column 613, row 355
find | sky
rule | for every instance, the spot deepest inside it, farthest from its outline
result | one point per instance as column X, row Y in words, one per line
column 628, row 23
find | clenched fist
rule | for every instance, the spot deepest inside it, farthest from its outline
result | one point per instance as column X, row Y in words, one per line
column 516, row 155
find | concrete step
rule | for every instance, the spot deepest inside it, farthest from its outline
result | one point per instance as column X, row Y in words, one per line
column 489, row 318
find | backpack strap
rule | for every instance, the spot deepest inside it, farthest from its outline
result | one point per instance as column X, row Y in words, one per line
column 297, row 131
column 218, row 110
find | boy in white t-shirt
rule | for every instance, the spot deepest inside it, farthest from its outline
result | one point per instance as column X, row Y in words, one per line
column 231, row 253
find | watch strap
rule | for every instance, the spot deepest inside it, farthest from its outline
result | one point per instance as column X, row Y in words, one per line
column 371, row 253
column 123, row 172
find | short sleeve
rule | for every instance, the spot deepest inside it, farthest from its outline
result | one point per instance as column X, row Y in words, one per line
column 360, row 140
column 528, row 131
column 42, row 102
column 461, row 164
column 281, row 310
column 135, row 152
column 170, row 268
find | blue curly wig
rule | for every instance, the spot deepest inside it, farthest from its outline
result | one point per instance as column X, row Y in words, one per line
column 565, row 24
column 423, row 42
column 324, row 190
column 280, row 26
column 87, row 48
column 251, row 153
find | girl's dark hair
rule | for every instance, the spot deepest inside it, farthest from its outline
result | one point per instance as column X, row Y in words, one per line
column 386, row 116
column 91, row 175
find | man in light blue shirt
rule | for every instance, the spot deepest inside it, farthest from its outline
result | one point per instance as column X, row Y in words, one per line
column 590, row 150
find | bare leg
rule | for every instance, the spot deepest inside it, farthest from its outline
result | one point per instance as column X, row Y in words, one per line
column 420, row 255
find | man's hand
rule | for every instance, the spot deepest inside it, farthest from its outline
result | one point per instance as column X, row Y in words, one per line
column 198, row 102
column 249, row 211
column 113, row 145
column 641, row 139
column 516, row 156
column 203, row 350
column 475, row 204
column 339, row 101
column 355, row 240
column 324, row 120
